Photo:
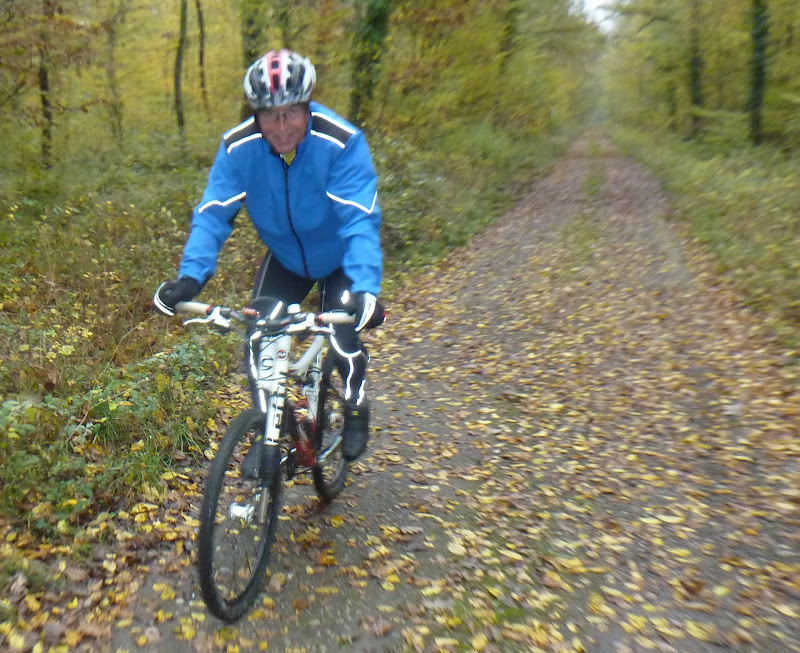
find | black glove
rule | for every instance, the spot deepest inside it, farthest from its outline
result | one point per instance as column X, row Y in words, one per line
column 169, row 293
column 365, row 306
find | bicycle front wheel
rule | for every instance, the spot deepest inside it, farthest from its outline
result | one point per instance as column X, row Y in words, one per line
column 330, row 472
column 237, row 522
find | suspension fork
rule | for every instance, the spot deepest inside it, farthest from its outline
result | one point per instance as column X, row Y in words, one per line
column 269, row 368
column 270, row 454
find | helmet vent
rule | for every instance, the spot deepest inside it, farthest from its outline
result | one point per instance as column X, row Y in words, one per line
column 279, row 78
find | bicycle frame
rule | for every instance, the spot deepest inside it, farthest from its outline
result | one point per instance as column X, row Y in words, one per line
column 271, row 368
column 269, row 355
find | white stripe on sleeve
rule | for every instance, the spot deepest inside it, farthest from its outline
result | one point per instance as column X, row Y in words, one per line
column 352, row 203
column 227, row 202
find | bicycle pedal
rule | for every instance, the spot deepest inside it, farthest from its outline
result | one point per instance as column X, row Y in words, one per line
column 241, row 511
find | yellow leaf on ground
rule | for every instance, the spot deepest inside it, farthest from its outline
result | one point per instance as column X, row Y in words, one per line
column 15, row 641
column 185, row 631
column 702, row 631
column 573, row 565
column 456, row 548
column 166, row 592
column 479, row 642
column 446, row 641
column 787, row 610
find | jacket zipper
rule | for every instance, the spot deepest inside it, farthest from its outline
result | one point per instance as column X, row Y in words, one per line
column 289, row 216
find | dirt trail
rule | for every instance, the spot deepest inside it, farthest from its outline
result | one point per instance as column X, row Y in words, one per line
column 583, row 444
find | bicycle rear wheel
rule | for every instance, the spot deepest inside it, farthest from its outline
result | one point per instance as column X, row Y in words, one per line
column 330, row 472
column 237, row 523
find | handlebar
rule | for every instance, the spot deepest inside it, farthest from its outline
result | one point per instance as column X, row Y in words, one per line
column 294, row 322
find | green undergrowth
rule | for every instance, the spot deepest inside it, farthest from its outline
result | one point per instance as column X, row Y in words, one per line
column 74, row 454
column 743, row 206
column 98, row 395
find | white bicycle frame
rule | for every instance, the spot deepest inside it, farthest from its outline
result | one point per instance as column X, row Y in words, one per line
column 271, row 368
column 271, row 365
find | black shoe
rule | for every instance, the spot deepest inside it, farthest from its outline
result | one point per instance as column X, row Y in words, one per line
column 356, row 430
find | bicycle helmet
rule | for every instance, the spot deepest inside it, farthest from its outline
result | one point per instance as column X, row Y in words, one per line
column 278, row 78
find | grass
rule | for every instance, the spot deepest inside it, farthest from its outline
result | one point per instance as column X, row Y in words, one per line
column 593, row 184
column 742, row 205
column 581, row 237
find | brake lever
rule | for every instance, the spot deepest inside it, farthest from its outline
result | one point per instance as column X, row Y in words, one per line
column 215, row 317
column 306, row 324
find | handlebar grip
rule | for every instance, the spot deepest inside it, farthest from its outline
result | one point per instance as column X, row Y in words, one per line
column 193, row 307
column 336, row 317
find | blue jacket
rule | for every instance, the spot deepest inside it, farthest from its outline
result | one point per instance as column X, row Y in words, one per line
column 316, row 215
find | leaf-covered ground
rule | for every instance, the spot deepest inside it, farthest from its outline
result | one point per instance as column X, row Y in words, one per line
column 583, row 443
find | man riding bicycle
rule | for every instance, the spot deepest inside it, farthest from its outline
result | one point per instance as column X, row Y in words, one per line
column 307, row 179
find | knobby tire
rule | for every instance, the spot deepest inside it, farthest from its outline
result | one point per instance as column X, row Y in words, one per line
column 226, row 604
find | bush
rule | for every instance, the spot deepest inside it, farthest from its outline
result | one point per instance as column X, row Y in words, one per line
column 65, row 459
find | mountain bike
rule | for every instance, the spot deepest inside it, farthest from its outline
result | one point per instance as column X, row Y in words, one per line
column 294, row 428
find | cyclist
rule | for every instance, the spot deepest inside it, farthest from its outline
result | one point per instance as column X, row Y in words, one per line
column 307, row 179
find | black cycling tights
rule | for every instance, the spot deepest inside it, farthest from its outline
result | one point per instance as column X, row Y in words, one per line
column 276, row 281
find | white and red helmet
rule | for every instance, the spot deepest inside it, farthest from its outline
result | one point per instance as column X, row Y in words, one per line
column 278, row 78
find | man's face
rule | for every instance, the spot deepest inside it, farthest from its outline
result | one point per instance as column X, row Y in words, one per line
column 283, row 127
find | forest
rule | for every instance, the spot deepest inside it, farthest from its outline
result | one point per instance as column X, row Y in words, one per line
column 113, row 109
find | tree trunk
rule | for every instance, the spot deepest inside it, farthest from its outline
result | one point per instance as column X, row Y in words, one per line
column 179, row 69
column 115, row 101
column 695, row 67
column 111, row 27
column 325, row 11
column 251, row 18
column 368, row 43
column 201, row 58
column 285, row 24
column 758, row 66
column 48, row 10
column 47, row 114
column 672, row 104
column 510, row 28
column 250, row 12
